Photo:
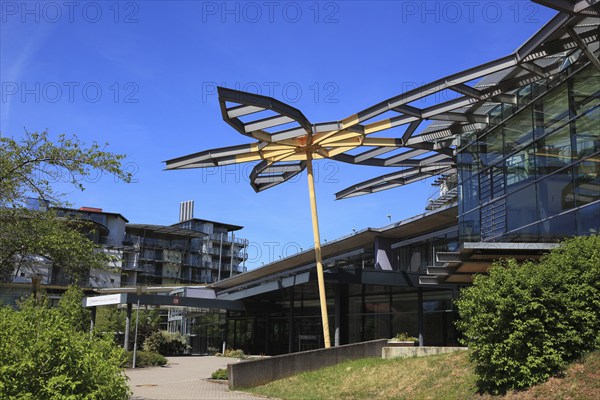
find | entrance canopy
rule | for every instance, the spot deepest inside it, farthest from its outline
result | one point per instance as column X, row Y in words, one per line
column 171, row 301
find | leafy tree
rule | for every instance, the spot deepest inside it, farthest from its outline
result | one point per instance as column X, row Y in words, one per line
column 111, row 319
column 525, row 323
column 27, row 235
column 71, row 307
column 42, row 356
column 28, row 168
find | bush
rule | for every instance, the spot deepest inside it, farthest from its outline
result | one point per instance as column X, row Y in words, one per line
column 166, row 343
column 220, row 374
column 145, row 359
column 524, row 323
column 43, row 356
column 404, row 337
column 232, row 353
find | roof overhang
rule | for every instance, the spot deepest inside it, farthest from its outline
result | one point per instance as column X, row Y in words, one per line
column 167, row 230
column 476, row 258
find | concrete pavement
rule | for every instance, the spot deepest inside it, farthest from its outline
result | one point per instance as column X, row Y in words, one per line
column 184, row 378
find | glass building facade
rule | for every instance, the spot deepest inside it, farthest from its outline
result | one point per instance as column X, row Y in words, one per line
column 534, row 175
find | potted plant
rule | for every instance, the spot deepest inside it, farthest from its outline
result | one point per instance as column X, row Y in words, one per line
column 404, row 340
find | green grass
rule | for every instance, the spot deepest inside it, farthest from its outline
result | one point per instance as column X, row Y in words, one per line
column 448, row 376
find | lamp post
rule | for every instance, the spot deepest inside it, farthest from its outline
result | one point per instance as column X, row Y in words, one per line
column 137, row 320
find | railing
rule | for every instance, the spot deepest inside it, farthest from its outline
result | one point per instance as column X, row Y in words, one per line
column 228, row 239
column 226, row 253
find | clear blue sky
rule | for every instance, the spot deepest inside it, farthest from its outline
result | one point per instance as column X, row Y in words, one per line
column 142, row 76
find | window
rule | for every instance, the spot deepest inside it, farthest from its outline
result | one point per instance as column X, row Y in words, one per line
column 553, row 151
column 521, row 208
column 587, row 181
column 588, row 134
column 520, row 167
column 470, row 228
column 586, row 88
column 556, row 228
column 588, row 220
column 555, row 193
column 469, row 194
column 491, row 147
column 555, row 108
column 518, row 132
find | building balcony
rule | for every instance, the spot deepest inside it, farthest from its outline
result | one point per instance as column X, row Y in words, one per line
column 216, row 237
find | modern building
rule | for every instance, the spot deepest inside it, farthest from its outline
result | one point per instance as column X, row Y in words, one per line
column 105, row 229
column 191, row 251
column 224, row 254
column 517, row 156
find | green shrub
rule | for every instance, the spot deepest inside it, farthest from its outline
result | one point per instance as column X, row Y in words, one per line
column 166, row 343
column 145, row 359
column 404, row 337
column 43, row 356
column 233, row 353
column 221, row 374
column 524, row 323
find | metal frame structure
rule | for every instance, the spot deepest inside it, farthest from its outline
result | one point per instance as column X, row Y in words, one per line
column 286, row 142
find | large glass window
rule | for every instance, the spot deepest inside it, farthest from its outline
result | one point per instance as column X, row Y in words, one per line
column 587, row 181
column 468, row 161
column 558, row 227
column 470, row 193
column 520, row 167
column 588, row 134
column 518, row 132
column 555, row 193
column 526, row 234
column 588, row 220
column 542, row 163
column 555, row 108
column 470, row 226
column 521, row 208
column 491, row 147
column 586, row 88
column 553, row 152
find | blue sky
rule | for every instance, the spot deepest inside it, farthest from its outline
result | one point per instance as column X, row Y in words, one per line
column 142, row 76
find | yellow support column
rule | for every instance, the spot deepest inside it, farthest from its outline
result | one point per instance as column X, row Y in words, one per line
column 317, row 238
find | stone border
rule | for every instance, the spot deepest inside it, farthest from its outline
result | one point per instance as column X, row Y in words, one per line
column 258, row 372
column 405, row 352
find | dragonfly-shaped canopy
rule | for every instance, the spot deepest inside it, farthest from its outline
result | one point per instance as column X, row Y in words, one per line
column 417, row 142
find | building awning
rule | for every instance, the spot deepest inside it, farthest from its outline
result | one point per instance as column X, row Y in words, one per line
column 476, row 258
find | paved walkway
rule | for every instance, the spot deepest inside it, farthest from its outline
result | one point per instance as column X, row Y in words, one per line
column 184, row 378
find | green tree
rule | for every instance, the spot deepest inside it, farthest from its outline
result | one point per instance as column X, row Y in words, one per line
column 42, row 356
column 111, row 320
column 27, row 235
column 71, row 307
column 525, row 323
column 29, row 167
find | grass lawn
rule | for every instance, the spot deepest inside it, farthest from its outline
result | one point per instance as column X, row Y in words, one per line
column 448, row 376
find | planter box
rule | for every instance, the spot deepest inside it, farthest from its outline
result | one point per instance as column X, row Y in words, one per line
column 402, row 343
column 403, row 352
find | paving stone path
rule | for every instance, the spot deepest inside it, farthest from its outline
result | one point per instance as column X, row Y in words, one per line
column 184, row 378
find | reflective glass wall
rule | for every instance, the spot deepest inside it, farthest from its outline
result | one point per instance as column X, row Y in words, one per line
column 535, row 175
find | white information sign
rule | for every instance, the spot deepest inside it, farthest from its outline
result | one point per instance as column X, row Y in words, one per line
column 104, row 300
